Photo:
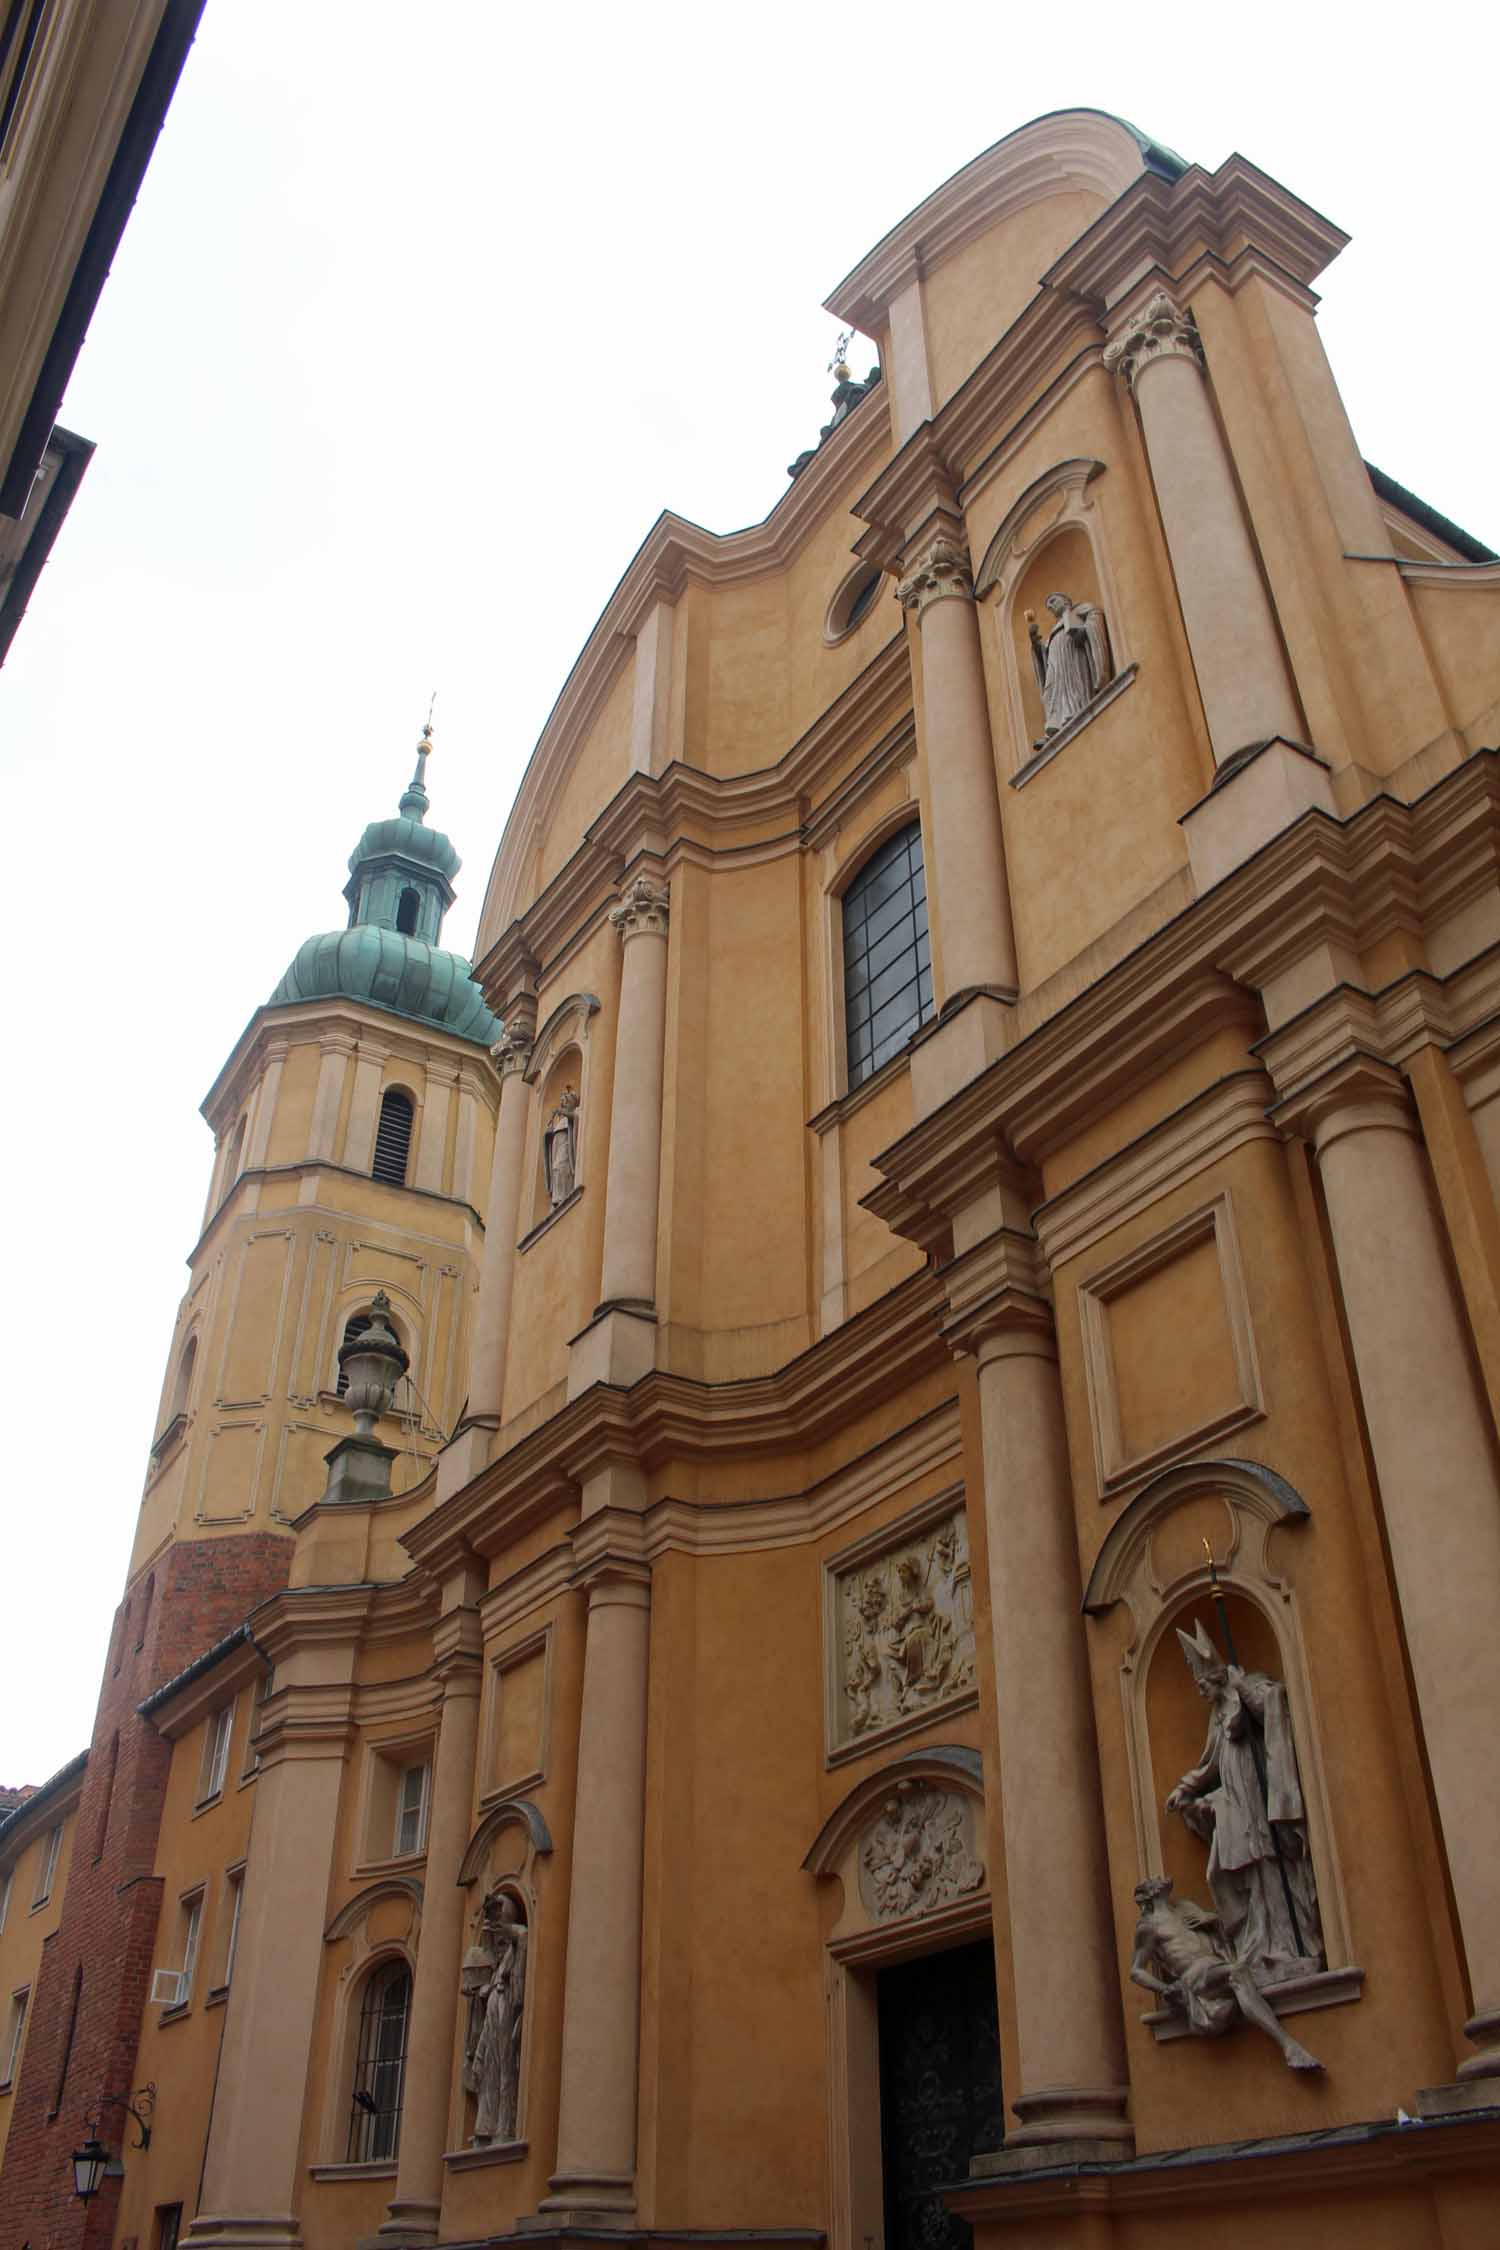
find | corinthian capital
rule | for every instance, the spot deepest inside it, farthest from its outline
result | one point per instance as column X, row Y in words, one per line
column 1158, row 331
column 643, row 906
column 937, row 572
column 512, row 1050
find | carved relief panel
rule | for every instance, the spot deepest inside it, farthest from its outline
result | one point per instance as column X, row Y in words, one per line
column 919, row 1853
column 899, row 1629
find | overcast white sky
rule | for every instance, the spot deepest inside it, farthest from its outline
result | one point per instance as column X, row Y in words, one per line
column 422, row 316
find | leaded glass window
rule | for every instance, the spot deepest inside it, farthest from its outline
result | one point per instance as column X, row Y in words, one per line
column 380, row 2069
column 887, row 960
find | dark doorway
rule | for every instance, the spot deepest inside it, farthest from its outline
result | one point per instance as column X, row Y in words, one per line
column 940, row 2099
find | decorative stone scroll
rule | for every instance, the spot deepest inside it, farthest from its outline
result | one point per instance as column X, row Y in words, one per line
column 642, row 908
column 919, row 1853
column 904, row 1627
column 939, row 572
column 1159, row 331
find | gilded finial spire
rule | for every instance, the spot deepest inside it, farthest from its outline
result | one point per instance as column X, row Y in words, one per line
column 415, row 800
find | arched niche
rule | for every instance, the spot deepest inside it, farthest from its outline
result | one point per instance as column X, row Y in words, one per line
column 559, row 1063
column 1048, row 543
column 501, row 1858
column 1156, row 1561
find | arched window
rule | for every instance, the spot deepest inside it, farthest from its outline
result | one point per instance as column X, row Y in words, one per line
column 407, row 912
column 353, row 1329
column 393, row 1138
column 887, row 961
column 184, row 1383
column 380, row 2065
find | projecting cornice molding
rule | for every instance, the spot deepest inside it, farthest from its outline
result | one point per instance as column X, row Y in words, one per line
column 687, row 812
column 665, row 1418
column 1073, row 148
column 1324, row 890
column 674, row 554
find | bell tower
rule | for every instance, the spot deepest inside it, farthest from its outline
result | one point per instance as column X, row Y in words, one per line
column 320, row 1347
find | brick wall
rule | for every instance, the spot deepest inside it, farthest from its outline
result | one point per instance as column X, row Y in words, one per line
column 201, row 1590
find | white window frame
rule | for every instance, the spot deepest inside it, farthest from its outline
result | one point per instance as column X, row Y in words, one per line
column 192, row 1931
column 258, row 1701
column 216, row 1753
column 237, row 1887
column 20, row 2002
column 404, row 1810
column 6, row 1880
column 47, row 1872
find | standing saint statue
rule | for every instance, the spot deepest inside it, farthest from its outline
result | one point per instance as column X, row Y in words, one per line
column 560, row 1144
column 1072, row 664
column 493, row 1981
column 1244, row 1800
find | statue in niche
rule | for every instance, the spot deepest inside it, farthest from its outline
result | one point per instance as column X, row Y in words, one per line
column 1244, row 1800
column 1072, row 664
column 1182, row 1954
column 908, row 1630
column 560, row 1148
column 493, row 1982
column 917, row 1857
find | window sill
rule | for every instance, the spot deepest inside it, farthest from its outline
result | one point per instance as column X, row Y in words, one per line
column 844, row 1105
column 400, row 1863
column 1048, row 750
column 177, row 2013
column 6, row 2085
column 207, row 1804
column 379, row 2168
column 217, row 1997
column 493, row 2152
column 551, row 1220
column 38, row 1903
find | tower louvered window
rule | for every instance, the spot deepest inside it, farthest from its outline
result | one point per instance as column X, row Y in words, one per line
column 393, row 1138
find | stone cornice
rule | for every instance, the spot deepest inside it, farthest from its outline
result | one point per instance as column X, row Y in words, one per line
column 1321, row 883
column 666, row 1418
column 1072, row 148
column 1226, row 220
column 327, row 1023
column 663, row 816
column 673, row 554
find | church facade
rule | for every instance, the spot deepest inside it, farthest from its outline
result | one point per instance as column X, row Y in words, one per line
column 820, row 1554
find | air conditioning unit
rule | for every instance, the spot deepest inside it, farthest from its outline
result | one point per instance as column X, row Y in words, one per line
column 168, row 1988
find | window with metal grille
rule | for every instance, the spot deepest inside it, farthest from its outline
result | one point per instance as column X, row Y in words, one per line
column 393, row 1138
column 380, row 2068
column 887, row 961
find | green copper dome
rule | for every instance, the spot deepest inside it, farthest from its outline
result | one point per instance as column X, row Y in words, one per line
column 400, row 886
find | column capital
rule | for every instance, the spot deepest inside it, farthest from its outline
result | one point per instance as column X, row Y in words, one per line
column 1160, row 330
column 642, row 909
column 936, row 570
column 1359, row 1094
column 999, row 1299
column 512, row 1050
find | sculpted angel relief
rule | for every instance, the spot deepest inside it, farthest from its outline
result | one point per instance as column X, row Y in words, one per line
column 908, row 1630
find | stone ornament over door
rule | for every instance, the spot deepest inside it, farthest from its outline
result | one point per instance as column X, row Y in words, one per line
column 900, row 1628
column 918, row 1854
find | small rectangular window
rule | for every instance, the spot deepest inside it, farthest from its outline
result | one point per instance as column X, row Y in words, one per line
column 215, row 1754
column 16, row 2032
column 5, row 1881
column 168, row 2225
column 263, row 1687
column 48, row 1867
column 411, row 1810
